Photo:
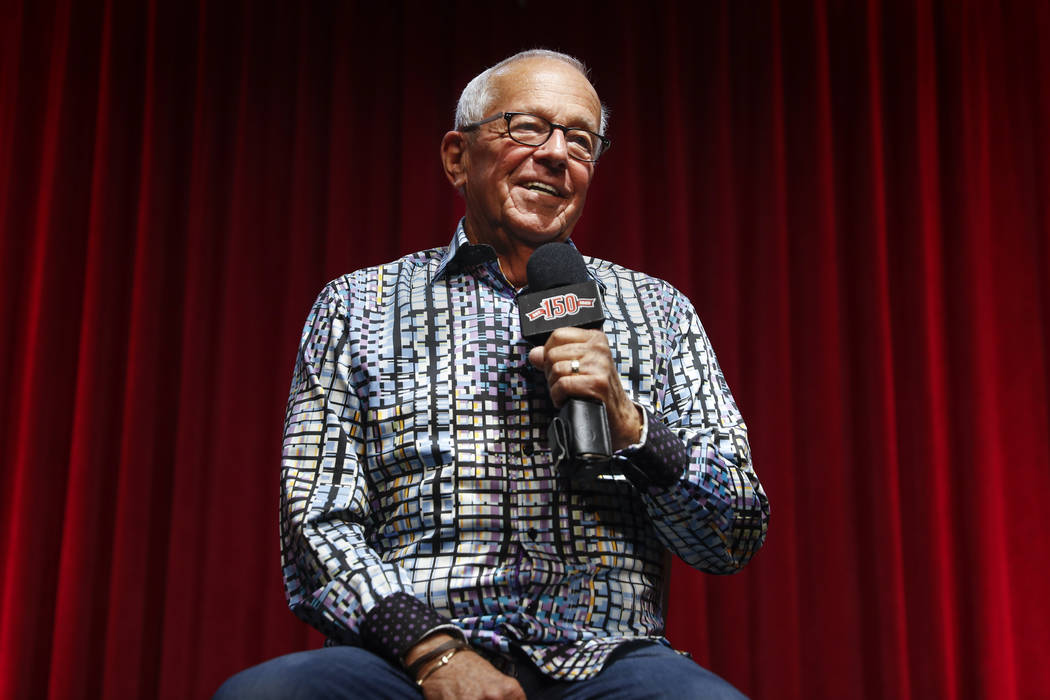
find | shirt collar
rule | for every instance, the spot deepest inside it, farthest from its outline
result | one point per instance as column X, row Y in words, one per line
column 462, row 255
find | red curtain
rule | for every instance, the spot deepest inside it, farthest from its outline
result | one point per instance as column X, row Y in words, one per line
column 855, row 195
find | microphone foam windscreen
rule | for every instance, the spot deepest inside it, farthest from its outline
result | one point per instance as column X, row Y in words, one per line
column 555, row 264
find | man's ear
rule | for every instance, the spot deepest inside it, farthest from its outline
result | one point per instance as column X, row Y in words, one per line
column 454, row 158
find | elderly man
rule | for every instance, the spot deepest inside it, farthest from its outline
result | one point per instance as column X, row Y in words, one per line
column 426, row 529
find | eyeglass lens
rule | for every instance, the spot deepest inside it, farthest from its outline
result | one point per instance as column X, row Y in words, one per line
column 531, row 130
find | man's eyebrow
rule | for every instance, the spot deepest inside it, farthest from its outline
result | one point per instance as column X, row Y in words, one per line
column 581, row 124
column 575, row 123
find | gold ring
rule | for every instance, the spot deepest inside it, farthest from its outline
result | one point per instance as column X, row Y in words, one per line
column 575, row 366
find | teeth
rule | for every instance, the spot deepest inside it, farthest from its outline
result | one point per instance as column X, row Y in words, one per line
column 542, row 187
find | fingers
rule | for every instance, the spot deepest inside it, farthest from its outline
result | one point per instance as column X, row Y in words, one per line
column 577, row 386
column 469, row 675
column 537, row 357
column 587, row 346
column 571, row 335
column 577, row 363
column 565, row 343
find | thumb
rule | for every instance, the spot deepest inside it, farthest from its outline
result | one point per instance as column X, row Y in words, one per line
column 538, row 358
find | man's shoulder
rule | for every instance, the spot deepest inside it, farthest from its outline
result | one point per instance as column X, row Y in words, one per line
column 624, row 280
column 640, row 299
column 406, row 264
column 419, row 262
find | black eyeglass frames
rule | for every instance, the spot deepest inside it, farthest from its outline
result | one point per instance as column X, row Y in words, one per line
column 533, row 130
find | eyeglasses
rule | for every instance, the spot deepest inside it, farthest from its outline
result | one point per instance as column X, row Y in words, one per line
column 532, row 130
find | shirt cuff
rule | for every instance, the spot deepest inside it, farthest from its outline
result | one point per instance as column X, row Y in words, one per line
column 659, row 458
column 400, row 621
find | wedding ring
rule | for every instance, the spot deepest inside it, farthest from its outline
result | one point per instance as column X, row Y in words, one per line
column 575, row 366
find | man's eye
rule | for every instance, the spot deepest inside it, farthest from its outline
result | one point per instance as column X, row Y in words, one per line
column 530, row 126
column 581, row 140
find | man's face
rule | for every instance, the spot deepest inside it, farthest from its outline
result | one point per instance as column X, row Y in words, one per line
column 526, row 195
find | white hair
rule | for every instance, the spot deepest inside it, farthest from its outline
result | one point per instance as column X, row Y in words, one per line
column 477, row 96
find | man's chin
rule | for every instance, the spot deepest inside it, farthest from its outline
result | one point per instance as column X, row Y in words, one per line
column 540, row 231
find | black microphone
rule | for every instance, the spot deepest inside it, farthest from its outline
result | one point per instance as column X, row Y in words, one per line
column 560, row 294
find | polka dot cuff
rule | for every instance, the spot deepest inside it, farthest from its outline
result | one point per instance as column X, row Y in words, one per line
column 399, row 622
column 658, row 461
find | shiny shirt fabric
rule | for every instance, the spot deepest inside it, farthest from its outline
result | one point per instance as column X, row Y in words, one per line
column 417, row 484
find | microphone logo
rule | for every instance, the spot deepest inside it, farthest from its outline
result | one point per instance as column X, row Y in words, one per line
column 559, row 306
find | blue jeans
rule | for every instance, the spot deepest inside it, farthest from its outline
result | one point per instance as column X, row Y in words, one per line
column 646, row 671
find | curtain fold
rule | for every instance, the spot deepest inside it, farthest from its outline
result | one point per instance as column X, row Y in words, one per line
column 854, row 195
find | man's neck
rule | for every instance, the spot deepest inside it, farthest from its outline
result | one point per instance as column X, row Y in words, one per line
column 513, row 253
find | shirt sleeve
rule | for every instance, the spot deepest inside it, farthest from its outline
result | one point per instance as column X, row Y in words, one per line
column 696, row 477
column 333, row 579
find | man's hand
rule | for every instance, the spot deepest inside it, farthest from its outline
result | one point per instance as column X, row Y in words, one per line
column 467, row 675
column 597, row 378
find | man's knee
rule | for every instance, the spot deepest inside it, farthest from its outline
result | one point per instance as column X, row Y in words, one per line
column 332, row 672
column 713, row 687
column 657, row 672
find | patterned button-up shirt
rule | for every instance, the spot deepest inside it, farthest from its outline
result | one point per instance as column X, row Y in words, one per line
column 417, row 483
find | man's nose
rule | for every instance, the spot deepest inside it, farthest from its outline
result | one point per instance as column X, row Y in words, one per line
column 555, row 151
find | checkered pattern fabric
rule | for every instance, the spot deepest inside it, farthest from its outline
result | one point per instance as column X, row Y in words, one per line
column 417, row 485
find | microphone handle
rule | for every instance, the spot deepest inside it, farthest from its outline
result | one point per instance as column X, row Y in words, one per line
column 580, row 438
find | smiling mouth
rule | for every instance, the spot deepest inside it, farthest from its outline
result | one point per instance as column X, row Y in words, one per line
column 544, row 188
